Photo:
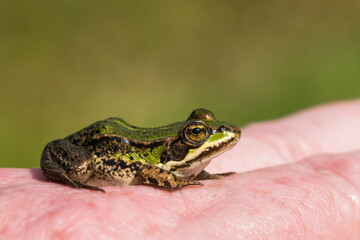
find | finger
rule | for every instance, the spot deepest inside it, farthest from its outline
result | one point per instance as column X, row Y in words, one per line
column 330, row 128
column 318, row 198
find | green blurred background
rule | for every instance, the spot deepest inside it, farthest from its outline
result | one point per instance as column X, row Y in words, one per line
column 65, row 64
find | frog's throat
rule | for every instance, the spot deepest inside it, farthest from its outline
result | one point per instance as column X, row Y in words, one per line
column 197, row 159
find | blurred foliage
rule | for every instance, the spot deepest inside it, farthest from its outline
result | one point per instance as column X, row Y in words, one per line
column 65, row 64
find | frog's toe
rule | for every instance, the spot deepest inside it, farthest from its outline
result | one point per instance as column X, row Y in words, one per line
column 224, row 174
column 207, row 176
column 90, row 187
column 195, row 183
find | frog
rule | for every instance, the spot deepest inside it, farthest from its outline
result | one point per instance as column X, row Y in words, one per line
column 113, row 152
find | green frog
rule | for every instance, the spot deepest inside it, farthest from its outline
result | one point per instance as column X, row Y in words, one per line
column 113, row 152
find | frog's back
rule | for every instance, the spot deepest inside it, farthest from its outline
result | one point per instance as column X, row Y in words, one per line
column 120, row 127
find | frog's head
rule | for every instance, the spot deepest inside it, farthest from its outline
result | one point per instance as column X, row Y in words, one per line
column 200, row 139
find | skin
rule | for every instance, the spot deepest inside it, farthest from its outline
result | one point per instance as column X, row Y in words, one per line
column 299, row 180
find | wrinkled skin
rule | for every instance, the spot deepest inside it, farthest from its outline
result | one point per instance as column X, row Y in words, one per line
column 304, row 183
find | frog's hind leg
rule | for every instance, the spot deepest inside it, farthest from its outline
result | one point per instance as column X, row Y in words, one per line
column 64, row 162
column 204, row 175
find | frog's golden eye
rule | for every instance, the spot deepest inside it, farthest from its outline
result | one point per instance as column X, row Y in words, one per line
column 196, row 133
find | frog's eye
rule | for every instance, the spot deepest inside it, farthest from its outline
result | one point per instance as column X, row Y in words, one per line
column 196, row 133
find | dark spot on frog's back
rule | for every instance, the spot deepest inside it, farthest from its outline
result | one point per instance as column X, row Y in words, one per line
column 135, row 166
column 110, row 162
column 122, row 165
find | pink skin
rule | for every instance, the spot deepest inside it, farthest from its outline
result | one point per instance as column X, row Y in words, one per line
column 303, row 184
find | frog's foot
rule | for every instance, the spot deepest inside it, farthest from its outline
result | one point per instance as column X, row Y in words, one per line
column 157, row 177
column 204, row 175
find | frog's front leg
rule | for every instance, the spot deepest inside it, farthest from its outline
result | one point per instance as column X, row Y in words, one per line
column 67, row 163
column 204, row 175
column 157, row 177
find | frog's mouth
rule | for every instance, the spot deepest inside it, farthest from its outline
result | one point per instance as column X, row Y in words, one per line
column 197, row 159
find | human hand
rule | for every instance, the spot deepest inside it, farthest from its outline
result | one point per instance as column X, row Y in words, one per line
column 298, row 178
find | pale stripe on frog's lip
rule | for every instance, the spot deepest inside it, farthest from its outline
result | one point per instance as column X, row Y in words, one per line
column 198, row 159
